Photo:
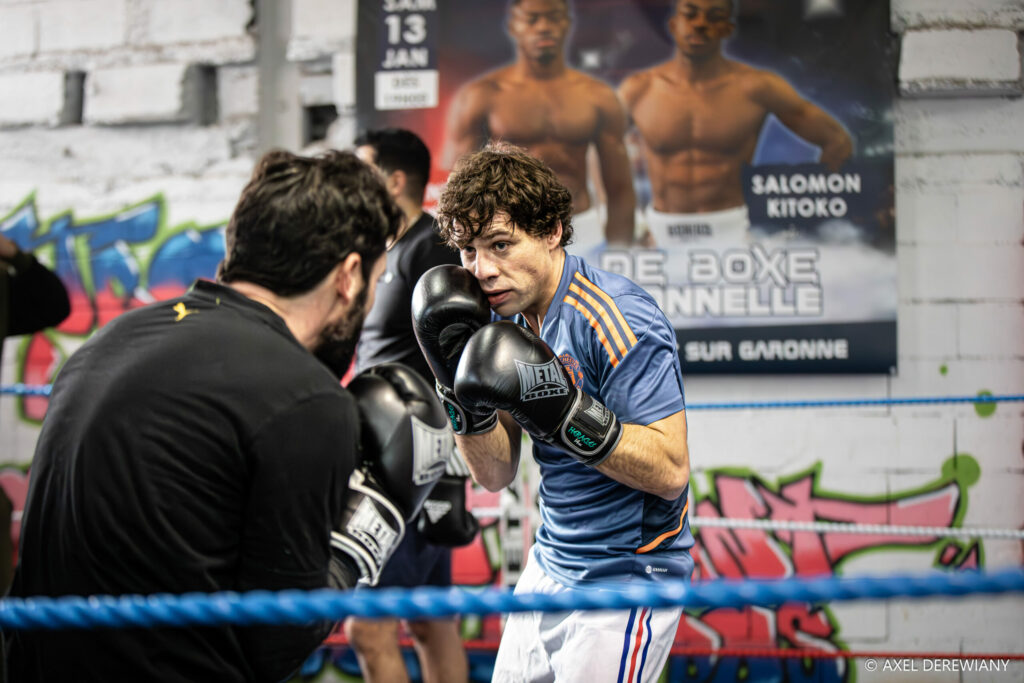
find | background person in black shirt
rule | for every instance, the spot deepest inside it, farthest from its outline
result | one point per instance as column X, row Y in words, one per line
column 198, row 444
column 32, row 298
column 404, row 160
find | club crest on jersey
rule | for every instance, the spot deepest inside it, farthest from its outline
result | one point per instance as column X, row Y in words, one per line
column 541, row 381
column 430, row 449
column 573, row 366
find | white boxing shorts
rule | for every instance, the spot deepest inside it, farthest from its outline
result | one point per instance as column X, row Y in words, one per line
column 729, row 227
column 582, row 646
column 588, row 232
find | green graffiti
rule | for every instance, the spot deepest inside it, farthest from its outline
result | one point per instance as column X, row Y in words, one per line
column 985, row 408
column 943, row 369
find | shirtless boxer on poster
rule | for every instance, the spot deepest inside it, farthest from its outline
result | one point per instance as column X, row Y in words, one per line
column 699, row 116
column 555, row 112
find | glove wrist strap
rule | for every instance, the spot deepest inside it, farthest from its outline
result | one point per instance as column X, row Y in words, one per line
column 372, row 531
column 464, row 422
column 589, row 432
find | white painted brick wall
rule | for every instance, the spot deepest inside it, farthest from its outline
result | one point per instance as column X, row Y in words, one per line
column 82, row 24
column 191, row 21
column 907, row 14
column 960, row 62
column 1002, row 169
column 155, row 92
column 926, row 330
column 960, row 272
column 991, row 330
column 103, row 159
column 972, row 126
column 32, row 98
column 237, row 91
column 343, row 70
column 17, row 31
column 320, row 28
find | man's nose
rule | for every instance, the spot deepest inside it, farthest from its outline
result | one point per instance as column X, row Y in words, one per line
column 484, row 268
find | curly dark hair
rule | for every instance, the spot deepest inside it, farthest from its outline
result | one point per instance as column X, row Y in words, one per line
column 503, row 178
column 299, row 217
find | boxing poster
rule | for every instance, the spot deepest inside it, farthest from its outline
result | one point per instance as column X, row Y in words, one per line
column 733, row 158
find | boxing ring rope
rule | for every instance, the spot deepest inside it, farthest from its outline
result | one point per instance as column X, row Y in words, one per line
column 44, row 390
column 301, row 607
column 850, row 528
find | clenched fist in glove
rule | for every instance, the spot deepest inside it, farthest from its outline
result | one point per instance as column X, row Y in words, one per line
column 448, row 306
column 405, row 444
column 507, row 367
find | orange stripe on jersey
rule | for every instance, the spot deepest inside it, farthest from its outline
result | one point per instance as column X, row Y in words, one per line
column 609, row 323
column 656, row 542
column 615, row 309
column 597, row 328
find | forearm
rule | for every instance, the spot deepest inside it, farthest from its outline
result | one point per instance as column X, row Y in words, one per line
column 618, row 185
column 646, row 460
column 621, row 218
column 836, row 149
column 493, row 457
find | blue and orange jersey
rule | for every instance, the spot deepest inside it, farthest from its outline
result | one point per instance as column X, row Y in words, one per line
column 620, row 348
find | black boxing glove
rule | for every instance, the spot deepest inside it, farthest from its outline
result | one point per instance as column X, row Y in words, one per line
column 444, row 519
column 448, row 306
column 507, row 367
column 405, row 444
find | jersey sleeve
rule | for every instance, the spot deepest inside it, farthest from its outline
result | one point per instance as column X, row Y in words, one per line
column 299, row 466
column 644, row 385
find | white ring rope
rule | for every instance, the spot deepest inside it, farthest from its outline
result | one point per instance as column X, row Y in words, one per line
column 849, row 528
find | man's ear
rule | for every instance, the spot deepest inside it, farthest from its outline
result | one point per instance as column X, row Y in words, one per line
column 348, row 278
column 396, row 183
column 555, row 238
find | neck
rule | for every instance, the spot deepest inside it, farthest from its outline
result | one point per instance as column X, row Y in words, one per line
column 531, row 68
column 412, row 209
column 699, row 68
column 535, row 316
column 300, row 313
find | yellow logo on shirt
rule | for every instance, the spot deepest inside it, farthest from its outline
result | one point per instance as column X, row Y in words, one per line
column 182, row 312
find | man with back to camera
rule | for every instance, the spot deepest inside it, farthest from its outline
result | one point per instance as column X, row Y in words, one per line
column 589, row 368
column 557, row 113
column 422, row 558
column 699, row 116
column 204, row 443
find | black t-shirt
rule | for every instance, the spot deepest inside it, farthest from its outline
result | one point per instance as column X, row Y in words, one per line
column 191, row 445
column 387, row 333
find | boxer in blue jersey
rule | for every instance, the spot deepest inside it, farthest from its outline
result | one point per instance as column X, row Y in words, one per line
column 528, row 336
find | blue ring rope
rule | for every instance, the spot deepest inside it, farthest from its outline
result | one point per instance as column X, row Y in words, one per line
column 44, row 390
column 833, row 403
column 299, row 607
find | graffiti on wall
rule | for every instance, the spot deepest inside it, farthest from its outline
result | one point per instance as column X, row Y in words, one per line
column 109, row 264
column 777, row 554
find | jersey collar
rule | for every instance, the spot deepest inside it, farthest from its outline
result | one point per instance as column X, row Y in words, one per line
column 569, row 268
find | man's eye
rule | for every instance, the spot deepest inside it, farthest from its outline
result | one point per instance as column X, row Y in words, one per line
column 500, row 246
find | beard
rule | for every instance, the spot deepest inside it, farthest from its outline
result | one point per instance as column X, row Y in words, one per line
column 337, row 345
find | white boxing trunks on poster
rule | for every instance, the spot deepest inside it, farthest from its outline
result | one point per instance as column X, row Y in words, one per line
column 728, row 227
column 588, row 232
column 582, row 646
